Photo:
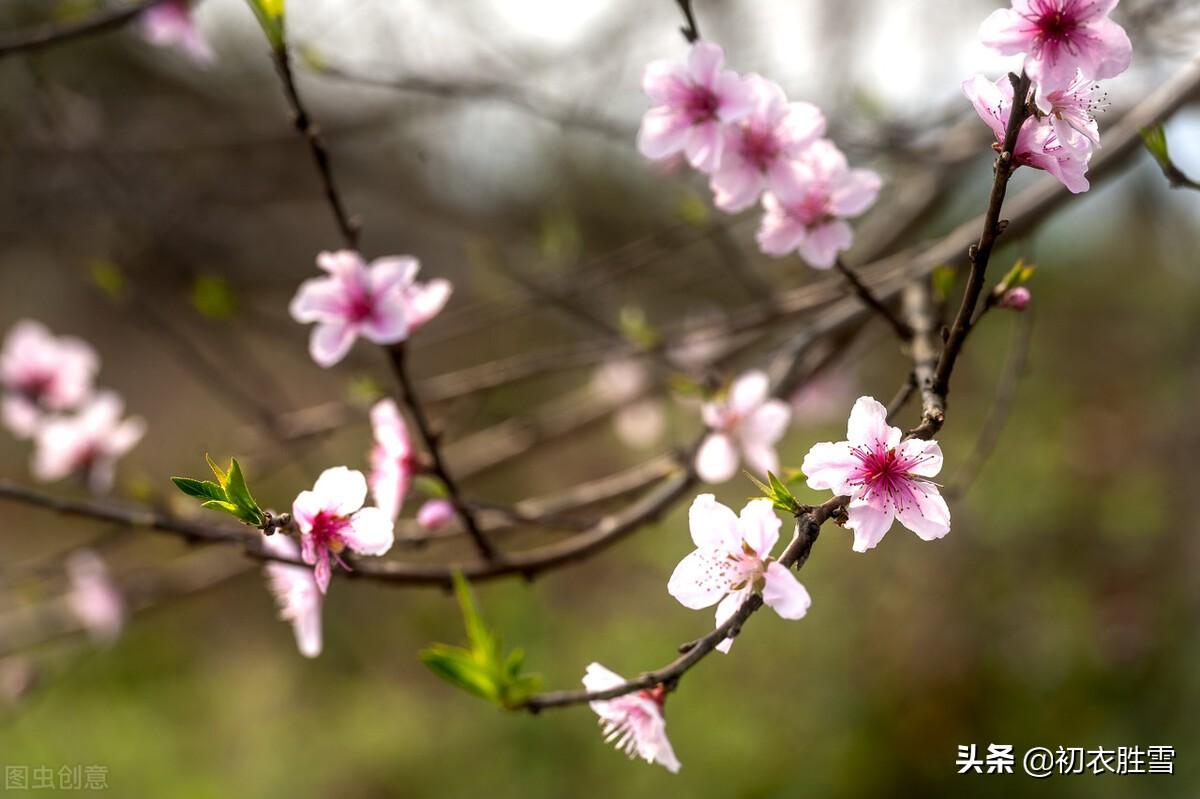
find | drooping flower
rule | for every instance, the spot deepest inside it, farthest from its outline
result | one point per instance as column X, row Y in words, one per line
column 1070, row 111
column 1059, row 37
column 1038, row 144
column 757, row 150
column 393, row 461
column 41, row 373
column 692, row 102
column 170, row 24
column 732, row 560
column 331, row 518
column 423, row 301
column 807, row 207
column 296, row 592
column 745, row 420
column 355, row 299
column 634, row 722
column 87, row 443
column 93, row 597
column 435, row 514
column 885, row 478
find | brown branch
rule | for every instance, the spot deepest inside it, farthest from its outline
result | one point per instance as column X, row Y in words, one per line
column 864, row 293
column 690, row 31
column 918, row 309
column 808, row 527
column 433, row 448
column 52, row 33
column 978, row 254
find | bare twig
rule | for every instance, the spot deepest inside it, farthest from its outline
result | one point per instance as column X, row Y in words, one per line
column 871, row 301
column 52, row 33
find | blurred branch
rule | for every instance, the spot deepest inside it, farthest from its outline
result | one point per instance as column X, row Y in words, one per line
column 53, row 33
column 864, row 293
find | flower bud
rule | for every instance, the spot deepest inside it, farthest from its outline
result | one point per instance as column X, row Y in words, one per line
column 435, row 514
column 1016, row 298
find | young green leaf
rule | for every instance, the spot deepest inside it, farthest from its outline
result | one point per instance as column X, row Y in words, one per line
column 458, row 666
column 204, row 489
column 239, row 494
column 222, row 478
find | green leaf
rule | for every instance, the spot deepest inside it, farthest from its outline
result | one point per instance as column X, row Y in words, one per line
column 483, row 644
column 519, row 689
column 459, row 667
column 239, row 494
column 431, row 487
column 205, row 489
column 222, row 478
column 1155, row 139
column 269, row 14
column 212, row 296
column 221, row 505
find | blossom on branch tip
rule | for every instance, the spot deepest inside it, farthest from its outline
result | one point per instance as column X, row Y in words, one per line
column 1070, row 111
column 393, row 461
column 885, row 478
column 745, row 420
column 634, row 722
column 1059, row 37
column 93, row 597
column 355, row 299
column 1038, row 144
column 331, row 518
column 692, row 103
column 41, row 373
column 296, row 593
column 170, row 24
column 757, row 151
column 87, row 443
column 807, row 206
column 732, row 561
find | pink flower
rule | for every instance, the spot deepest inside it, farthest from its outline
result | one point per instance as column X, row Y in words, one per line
column 354, row 300
column 634, row 722
column 757, row 150
column 331, row 517
column 39, row 373
column 393, row 461
column 170, row 24
column 1038, row 144
column 1070, row 113
column 1060, row 37
column 435, row 514
column 93, row 597
column 884, row 477
column 1016, row 299
column 423, row 301
column 296, row 592
column 691, row 104
column 732, row 561
column 807, row 206
column 87, row 443
column 746, row 419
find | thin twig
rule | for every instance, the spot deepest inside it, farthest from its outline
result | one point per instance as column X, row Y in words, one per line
column 871, row 301
column 52, row 33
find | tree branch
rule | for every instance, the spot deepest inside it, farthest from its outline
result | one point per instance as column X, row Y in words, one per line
column 52, row 33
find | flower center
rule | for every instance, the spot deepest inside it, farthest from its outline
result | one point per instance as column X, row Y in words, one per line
column 759, row 147
column 35, row 385
column 701, row 105
column 812, row 209
column 327, row 531
column 884, row 475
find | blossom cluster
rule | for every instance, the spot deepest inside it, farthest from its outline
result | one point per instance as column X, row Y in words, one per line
column 1069, row 45
column 48, row 395
column 756, row 146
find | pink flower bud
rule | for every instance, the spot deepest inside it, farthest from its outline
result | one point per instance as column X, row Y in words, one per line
column 1016, row 298
column 435, row 514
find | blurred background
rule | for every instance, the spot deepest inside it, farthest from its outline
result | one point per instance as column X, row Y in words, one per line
column 166, row 211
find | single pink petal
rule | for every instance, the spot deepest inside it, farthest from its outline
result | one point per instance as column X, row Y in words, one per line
column 341, row 490
column 854, row 192
column 318, row 299
column 783, row 593
column 760, row 457
column 749, row 391
column 713, row 525
column 766, row 424
column 1109, row 50
column 392, row 272
column 1005, row 32
column 422, row 302
column 704, row 62
column 330, row 341
column 727, row 607
column 305, row 508
column 759, row 525
column 869, row 524
column 868, row 425
column 990, row 102
column 925, row 511
column 663, row 133
column 923, row 458
column 664, row 81
column 737, row 184
column 829, row 466
column 717, row 459
column 341, row 263
column 370, row 532
column 778, row 234
column 323, row 572
column 389, row 323
column 821, row 246
column 802, row 125
column 704, row 146
column 735, row 97
column 701, row 578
